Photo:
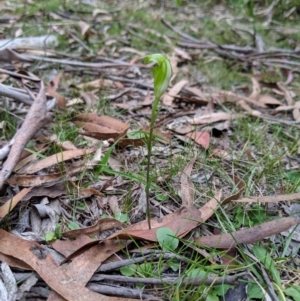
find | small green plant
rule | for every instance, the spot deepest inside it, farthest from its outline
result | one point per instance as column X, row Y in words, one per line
column 56, row 234
column 255, row 216
column 167, row 239
column 162, row 73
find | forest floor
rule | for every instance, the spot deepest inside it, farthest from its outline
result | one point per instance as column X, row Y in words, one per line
column 224, row 174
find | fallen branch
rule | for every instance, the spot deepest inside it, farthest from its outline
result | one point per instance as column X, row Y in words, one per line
column 36, row 118
column 207, row 279
column 249, row 235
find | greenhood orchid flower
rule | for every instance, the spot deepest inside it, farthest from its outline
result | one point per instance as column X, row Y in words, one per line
column 162, row 73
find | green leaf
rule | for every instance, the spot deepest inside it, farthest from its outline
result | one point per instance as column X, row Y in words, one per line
column 222, row 289
column 162, row 73
column 81, row 206
column 145, row 269
column 294, row 292
column 73, row 226
column 198, row 272
column 254, row 291
column 128, row 270
column 212, row 297
column 162, row 197
column 50, row 236
column 167, row 239
column 174, row 264
column 264, row 257
column 136, row 135
column 122, row 217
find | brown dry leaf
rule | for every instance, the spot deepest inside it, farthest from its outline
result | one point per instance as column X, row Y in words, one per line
column 183, row 54
column 14, row 262
column 67, row 247
column 187, row 186
column 82, row 268
column 201, row 138
column 101, row 127
column 210, row 207
column 221, row 153
column 249, row 235
column 148, row 100
column 10, row 204
column 101, row 225
column 173, row 92
column 39, row 259
column 296, row 111
column 51, row 191
column 86, row 192
column 96, row 84
column 124, row 142
column 268, row 100
column 290, row 101
column 211, row 118
column 255, row 89
column 27, row 181
column 180, row 222
column 174, row 63
column 114, row 204
column 270, row 198
column 197, row 92
column 51, row 90
column 65, row 145
column 241, row 185
column 285, row 108
column 247, row 108
column 228, row 96
column 57, row 158
column 84, row 27
column 89, row 98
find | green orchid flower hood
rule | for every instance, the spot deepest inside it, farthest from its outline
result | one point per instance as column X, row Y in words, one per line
column 162, row 73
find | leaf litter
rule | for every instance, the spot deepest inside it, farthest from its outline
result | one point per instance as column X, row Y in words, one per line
column 62, row 173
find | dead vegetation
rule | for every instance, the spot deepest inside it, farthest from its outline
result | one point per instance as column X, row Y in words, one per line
column 224, row 183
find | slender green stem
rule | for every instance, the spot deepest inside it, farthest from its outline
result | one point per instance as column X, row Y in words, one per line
column 162, row 73
column 154, row 114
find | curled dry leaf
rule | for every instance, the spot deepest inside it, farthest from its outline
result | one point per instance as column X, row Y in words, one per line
column 180, row 222
column 60, row 281
column 67, row 247
column 84, row 266
column 255, row 89
column 247, row 108
column 296, row 111
column 287, row 95
column 197, row 92
column 187, row 186
column 210, row 207
column 14, row 262
column 268, row 100
column 241, row 185
column 221, row 154
column 96, row 84
column 57, row 158
column 52, row 90
column 101, row 225
column 10, row 204
column 173, row 92
column 249, row 235
column 35, row 180
column 201, row 138
column 100, row 127
column 211, row 118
